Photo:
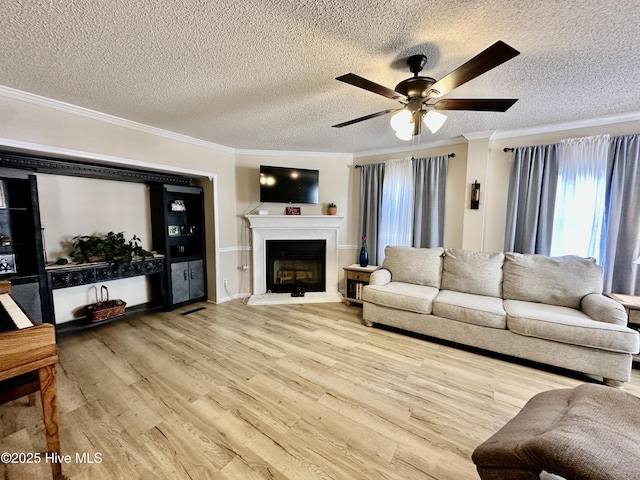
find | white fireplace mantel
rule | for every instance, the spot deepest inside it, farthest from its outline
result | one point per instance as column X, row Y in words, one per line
column 293, row 227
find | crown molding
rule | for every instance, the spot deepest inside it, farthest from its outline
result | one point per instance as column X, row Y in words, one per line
column 558, row 127
column 488, row 134
column 291, row 153
column 411, row 148
column 106, row 118
column 38, row 100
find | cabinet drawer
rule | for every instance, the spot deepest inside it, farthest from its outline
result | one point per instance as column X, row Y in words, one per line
column 634, row 316
column 361, row 276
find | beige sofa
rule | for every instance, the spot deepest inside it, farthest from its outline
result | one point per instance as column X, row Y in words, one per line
column 544, row 309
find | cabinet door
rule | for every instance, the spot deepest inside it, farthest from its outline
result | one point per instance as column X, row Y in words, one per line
column 196, row 279
column 180, row 282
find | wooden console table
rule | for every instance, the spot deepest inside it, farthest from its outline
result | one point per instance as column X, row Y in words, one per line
column 89, row 273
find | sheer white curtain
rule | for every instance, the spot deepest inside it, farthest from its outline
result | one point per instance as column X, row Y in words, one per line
column 396, row 216
column 580, row 198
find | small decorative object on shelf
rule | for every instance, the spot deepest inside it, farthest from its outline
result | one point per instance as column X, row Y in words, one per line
column 292, row 210
column 177, row 206
column 363, row 259
column 332, row 208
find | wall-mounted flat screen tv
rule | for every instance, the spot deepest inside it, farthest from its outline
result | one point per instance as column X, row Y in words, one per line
column 288, row 185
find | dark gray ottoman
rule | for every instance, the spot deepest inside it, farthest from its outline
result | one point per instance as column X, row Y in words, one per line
column 584, row 433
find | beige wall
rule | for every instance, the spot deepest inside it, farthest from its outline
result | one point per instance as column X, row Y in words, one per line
column 51, row 128
column 232, row 190
column 336, row 175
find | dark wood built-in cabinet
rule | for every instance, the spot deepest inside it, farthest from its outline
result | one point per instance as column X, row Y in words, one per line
column 21, row 252
column 177, row 224
column 177, row 219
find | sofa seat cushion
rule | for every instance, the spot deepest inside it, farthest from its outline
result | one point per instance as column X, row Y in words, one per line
column 400, row 295
column 567, row 325
column 470, row 308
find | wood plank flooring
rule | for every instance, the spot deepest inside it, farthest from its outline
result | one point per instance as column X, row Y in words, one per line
column 296, row 392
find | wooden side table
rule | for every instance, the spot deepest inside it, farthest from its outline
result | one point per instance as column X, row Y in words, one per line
column 356, row 278
column 631, row 304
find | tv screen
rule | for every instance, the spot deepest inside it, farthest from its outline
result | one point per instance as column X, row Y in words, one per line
column 288, row 185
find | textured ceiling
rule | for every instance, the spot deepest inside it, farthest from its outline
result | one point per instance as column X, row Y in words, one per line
column 259, row 74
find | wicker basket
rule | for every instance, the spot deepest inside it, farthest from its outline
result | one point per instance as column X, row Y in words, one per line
column 105, row 308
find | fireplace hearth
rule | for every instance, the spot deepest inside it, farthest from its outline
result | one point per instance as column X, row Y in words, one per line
column 292, row 264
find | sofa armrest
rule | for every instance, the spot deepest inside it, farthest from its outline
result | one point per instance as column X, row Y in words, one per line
column 381, row 276
column 603, row 309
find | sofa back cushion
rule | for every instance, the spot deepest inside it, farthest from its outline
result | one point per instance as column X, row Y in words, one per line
column 479, row 273
column 559, row 281
column 422, row 266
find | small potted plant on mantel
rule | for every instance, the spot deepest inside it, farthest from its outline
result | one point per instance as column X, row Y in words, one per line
column 332, row 209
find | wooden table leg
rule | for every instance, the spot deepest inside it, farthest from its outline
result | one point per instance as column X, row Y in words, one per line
column 47, row 377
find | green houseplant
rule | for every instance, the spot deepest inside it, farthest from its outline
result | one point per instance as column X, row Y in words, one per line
column 332, row 208
column 112, row 248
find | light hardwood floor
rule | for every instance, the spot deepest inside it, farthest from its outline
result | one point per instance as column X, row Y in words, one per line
column 271, row 392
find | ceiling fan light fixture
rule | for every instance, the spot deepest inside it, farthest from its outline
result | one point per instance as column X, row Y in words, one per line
column 401, row 120
column 405, row 134
column 434, row 120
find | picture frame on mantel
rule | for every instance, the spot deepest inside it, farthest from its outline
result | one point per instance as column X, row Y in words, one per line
column 292, row 210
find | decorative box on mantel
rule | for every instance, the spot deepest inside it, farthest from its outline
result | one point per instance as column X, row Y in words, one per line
column 294, row 227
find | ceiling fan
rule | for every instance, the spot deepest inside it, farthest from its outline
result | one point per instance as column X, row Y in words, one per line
column 416, row 92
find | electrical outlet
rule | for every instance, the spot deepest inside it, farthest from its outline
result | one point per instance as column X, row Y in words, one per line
column 224, row 282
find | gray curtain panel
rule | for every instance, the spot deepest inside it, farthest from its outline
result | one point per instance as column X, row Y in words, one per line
column 622, row 217
column 531, row 199
column 429, row 202
column 371, row 178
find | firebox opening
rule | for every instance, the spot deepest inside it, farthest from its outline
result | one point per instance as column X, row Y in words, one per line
column 296, row 263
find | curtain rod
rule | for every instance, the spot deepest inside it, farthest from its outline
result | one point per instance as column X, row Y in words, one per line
column 508, row 149
column 451, row 155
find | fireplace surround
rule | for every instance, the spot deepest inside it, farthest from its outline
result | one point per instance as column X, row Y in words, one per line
column 293, row 227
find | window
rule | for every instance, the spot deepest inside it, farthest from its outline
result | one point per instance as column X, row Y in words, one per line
column 580, row 197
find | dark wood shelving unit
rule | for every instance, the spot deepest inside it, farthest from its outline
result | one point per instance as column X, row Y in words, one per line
column 177, row 219
column 22, row 260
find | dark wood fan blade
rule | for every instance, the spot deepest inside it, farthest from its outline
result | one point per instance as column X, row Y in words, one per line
column 475, row 104
column 366, row 117
column 357, row 81
column 495, row 55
